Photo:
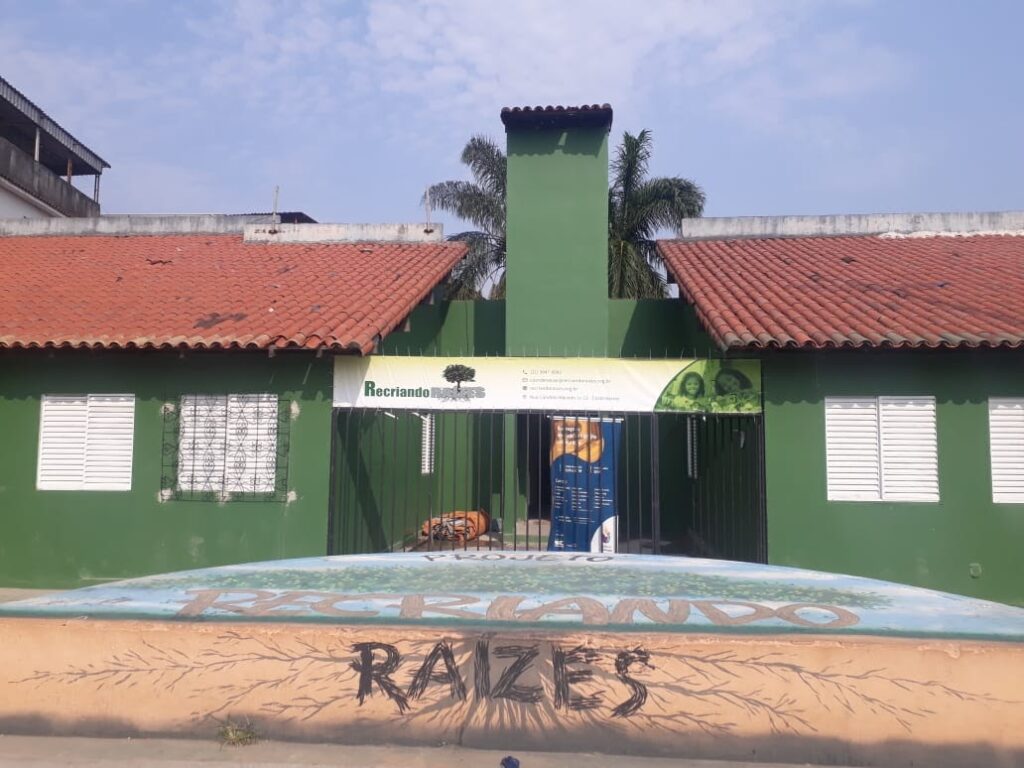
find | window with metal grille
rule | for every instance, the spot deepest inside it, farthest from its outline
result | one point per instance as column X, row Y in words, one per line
column 1006, row 447
column 881, row 449
column 86, row 442
column 226, row 446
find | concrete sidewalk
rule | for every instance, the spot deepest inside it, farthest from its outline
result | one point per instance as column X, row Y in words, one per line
column 54, row 751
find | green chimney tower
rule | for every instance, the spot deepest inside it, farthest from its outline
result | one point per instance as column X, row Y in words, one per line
column 556, row 300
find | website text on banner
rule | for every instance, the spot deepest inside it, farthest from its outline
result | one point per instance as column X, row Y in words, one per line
column 555, row 384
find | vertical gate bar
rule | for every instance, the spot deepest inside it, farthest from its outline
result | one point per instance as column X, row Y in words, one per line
column 440, row 428
column 362, row 470
column 543, row 455
column 506, row 422
column 532, row 478
column 655, row 486
column 332, row 495
column 453, row 503
column 740, row 472
column 705, row 486
column 381, row 470
column 408, row 476
column 350, row 510
column 737, row 495
column 393, row 485
column 600, row 485
column 588, row 489
column 728, row 485
column 343, row 505
column 749, row 497
column 625, row 489
column 698, row 473
column 474, row 503
column 457, row 501
column 731, row 472
column 488, row 419
column 762, row 491
column 378, row 476
column 722, row 479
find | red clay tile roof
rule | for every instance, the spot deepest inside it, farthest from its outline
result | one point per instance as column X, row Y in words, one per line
column 594, row 115
column 821, row 292
column 210, row 291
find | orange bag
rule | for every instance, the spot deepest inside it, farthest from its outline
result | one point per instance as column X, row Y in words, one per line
column 457, row 526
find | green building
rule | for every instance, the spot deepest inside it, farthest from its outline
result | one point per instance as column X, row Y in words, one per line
column 289, row 394
column 893, row 386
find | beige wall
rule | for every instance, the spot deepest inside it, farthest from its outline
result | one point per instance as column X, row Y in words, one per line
column 794, row 698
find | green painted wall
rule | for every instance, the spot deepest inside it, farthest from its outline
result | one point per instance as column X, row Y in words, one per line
column 635, row 328
column 72, row 538
column 930, row 545
column 557, row 240
column 656, row 328
column 451, row 328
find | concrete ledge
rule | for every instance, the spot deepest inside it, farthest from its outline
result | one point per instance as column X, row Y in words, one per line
column 254, row 228
column 995, row 222
column 344, row 233
column 133, row 224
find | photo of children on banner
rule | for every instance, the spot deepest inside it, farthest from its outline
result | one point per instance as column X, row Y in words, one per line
column 712, row 386
column 734, row 393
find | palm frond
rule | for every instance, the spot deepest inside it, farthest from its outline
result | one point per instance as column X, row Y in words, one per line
column 488, row 164
column 638, row 207
column 471, row 203
column 469, row 276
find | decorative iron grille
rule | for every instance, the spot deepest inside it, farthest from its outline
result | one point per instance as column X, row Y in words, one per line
column 226, row 447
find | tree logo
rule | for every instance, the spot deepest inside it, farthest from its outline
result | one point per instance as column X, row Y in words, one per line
column 458, row 375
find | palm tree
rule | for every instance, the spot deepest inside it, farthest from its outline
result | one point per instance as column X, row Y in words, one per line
column 482, row 203
column 637, row 208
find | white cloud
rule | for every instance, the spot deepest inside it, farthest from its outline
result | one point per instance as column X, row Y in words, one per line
column 301, row 89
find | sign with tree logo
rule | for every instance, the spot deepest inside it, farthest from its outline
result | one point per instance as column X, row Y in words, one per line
column 548, row 383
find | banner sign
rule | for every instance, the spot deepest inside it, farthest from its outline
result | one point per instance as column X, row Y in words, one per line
column 584, row 457
column 547, row 383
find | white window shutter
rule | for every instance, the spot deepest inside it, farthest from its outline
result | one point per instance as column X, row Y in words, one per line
column 852, row 449
column 62, row 437
column 1006, row 442
column 110, row 438
column 910, row 465
column 86, row 443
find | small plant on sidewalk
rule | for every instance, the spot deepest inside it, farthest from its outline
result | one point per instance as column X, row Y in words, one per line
column 237, row 733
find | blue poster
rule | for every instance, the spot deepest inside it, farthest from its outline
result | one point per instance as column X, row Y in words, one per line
column 584, row 458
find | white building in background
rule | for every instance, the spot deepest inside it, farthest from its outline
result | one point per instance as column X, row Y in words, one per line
column 38, row 160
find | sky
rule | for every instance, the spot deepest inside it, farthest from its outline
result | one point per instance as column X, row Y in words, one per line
column 353, row 108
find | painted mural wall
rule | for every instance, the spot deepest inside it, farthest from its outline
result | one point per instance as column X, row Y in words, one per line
column 578, row 652
column 71, row 538
column 964, row 543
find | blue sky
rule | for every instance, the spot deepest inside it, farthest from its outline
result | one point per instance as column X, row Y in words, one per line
column 353, row 108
